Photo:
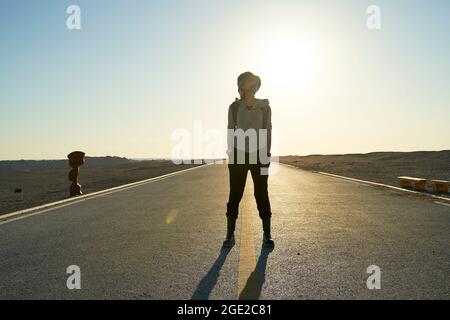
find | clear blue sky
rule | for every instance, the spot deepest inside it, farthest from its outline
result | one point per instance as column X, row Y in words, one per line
column 137, row 70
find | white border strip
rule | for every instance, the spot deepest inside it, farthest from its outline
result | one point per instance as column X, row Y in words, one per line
column 373, row 183
column 62, row 203
column 383, row 185
column 442, row 203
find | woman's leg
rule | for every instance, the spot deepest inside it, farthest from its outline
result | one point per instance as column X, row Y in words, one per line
column 238, row 177
column 262, row 201
column 261, row 191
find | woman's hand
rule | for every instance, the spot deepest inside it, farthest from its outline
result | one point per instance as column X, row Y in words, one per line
column 268, row 163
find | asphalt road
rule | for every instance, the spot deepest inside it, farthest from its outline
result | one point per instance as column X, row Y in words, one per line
column 162, row 240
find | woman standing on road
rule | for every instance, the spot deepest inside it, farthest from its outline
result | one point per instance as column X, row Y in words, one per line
column 249, row 117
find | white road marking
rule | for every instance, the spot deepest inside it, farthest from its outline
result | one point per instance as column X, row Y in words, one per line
column 22, row 214
column 442, row 203
column 365, row 182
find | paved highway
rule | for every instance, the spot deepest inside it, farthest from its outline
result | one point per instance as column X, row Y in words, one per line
column 162, row 240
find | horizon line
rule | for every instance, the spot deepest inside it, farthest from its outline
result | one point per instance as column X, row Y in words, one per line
column 191, row 159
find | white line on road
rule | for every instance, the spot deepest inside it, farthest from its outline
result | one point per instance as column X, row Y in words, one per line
column 22, row 214
column 365, row 182
column 383, row 185
column 443, row 204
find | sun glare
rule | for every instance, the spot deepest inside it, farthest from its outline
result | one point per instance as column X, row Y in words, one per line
column 288, row 61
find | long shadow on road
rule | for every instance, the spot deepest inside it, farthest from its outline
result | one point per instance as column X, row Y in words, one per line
column 254, row 284
column 206, row 285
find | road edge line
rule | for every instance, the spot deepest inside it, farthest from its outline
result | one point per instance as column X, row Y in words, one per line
column 377, row 184
column 62, row 203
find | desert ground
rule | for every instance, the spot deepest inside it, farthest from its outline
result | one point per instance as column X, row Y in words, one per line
column 44, row 181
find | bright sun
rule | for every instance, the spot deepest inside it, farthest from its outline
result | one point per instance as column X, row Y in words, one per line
column 287, row 60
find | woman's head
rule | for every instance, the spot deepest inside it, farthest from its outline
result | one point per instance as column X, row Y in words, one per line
column 248, row 84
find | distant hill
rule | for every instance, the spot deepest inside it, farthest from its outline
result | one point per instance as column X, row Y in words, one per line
column 36, row 165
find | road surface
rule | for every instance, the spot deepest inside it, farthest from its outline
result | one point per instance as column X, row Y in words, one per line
column 162, row 240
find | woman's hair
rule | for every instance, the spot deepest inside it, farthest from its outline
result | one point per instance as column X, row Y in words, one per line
column 248, row 76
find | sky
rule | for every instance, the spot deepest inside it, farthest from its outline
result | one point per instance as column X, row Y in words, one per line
column 137, row 71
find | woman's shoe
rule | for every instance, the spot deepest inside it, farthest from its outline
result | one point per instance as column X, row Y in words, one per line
column 229, row 239
column 267, row 237
column 268, row 241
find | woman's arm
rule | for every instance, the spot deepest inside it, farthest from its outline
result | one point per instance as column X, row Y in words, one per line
column 268, row 127
column 231, row 124
column 230, row 132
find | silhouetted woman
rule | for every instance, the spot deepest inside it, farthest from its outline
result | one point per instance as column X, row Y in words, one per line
column 249, row 141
